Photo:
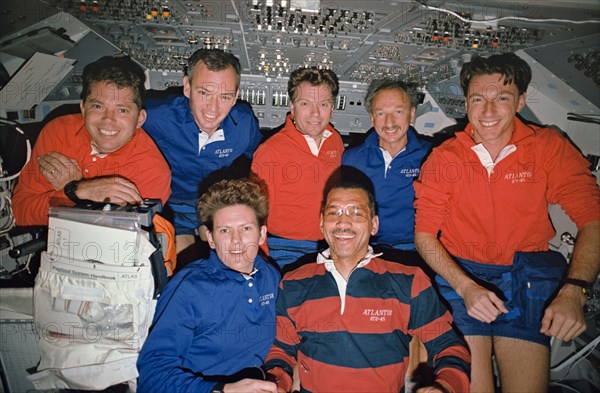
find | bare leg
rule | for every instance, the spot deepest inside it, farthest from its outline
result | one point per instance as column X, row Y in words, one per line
column 296, row 380
column 414, row 357
column 482, row 377
column 417, row 372
column 184, row 241
column 524, row 366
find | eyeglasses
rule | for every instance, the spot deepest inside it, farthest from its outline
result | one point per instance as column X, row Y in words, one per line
column 355, row 213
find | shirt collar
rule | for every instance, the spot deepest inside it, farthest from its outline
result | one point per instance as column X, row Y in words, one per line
column 324, row 257
column 290, row 128
column 312, row 144
column 205, row 139
column 82, row 129
column 220, row 266
column 95, row 151
column 520, row 131
column 387, row 157
column 486, row 159
column 83, row 132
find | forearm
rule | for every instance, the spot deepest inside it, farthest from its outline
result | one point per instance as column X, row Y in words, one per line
column 585, row 262
column 436, row 256
column 31, row 207
column 564, row 318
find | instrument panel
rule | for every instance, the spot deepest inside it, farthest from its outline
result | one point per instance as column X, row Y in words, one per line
column 419, row 41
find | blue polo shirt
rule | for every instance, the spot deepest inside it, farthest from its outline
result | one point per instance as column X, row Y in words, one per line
column 193, row 168
column 210, row 320
column 394, row 192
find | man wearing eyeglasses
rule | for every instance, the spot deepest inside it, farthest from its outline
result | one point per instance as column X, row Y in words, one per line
column 353, row 299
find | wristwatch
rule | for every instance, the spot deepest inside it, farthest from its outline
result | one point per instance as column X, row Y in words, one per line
column 586, row 287
column 218, row 388
column 70, row 189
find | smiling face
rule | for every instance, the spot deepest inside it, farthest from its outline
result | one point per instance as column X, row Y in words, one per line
column 491, row 108
column 111, row 116
column 212, row 94
column 312, row 109
column 391, row 115
column 236, row 236
column 348, row 233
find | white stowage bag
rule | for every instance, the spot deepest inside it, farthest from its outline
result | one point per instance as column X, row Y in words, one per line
column 92, row 319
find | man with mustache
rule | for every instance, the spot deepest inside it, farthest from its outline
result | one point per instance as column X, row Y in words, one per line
column 346, row 321
column 390, row 157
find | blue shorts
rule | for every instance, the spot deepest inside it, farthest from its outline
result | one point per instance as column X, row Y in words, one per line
column 402, row 246
column 184, row 218
column 525, row 287
column 287, row 251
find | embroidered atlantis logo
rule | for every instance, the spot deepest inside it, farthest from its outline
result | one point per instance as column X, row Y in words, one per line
column 519, row 177
column 223, row 152
column 266, row 299
column 331, row 153
column 377, row 314
column 410, row 172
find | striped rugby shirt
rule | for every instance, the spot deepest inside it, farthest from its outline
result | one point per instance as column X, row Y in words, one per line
column 360, row 342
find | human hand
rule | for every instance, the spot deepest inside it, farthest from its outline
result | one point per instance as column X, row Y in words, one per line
column 109, row 189
column 248, row 385
column 482, row 304
column 58, row 169
column 564, row 318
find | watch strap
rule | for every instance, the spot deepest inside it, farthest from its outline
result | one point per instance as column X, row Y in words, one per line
column 70, row 191
column 218, row 388
column 585, row 286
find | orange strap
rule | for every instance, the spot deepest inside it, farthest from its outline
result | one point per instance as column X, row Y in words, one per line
column 162, row 225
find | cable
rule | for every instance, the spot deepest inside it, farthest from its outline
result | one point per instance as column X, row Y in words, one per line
column 7, row 219
column 519, row 18
column 576, row 358
column 562, row 385
column 588, row 118
column 25, row 267
column 27, row 143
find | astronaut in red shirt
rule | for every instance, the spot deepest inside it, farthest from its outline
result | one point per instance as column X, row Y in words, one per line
column 482, row 224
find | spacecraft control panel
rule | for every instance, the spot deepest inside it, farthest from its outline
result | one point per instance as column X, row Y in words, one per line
column 418, row 41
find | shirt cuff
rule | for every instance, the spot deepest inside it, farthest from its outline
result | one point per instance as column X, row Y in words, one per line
column 281, row 378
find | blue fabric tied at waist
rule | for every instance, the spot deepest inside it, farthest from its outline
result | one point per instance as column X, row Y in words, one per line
column 525, row 287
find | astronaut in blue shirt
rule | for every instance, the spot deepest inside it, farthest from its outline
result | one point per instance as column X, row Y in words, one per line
column 206, row 135
column 391, row 157
column 215, row 321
